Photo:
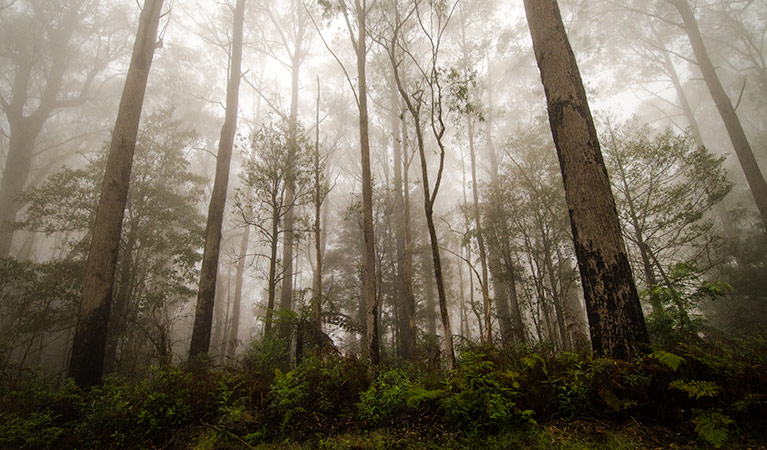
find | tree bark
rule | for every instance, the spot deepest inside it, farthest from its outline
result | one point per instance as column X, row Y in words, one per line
column 404, row 256
column 203, row 319
column 371, row 302
column 734, row 128
column 87, row 361
column 237, row 301
column 318, row 197
column 615, row 315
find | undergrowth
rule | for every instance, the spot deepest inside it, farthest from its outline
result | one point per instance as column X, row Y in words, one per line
column 712, row 392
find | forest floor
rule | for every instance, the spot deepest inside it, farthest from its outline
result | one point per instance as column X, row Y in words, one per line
column 590, row 434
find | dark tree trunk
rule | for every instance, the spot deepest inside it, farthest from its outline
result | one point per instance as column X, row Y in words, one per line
column 738, row 138
column 203, row 318
column 615, row 315
column 87, row 362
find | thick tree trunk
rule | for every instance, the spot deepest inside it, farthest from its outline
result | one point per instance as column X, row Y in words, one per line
column 738, row 138
column 17, row 167
column 371, row 300
column 87, row 362
column 615, row 315
column 203, row 318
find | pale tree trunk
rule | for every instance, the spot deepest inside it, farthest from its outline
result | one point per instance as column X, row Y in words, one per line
column 615, row 314
column 371, row 302
column 404, row 255
column 87, row 361
column 288, row 239
column 510, row 317
column 237, row 300
column 318, row 197
column 734, row 128
column 203, row 318
column 487, row 335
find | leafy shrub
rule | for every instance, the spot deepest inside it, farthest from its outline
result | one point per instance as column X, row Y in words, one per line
column 713, row 426
column 480, row 397
column 393, row 394
column 316, row 392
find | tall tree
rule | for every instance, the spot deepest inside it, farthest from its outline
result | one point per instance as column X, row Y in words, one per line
column 41, row 44
column 203, row 318
column 87, row 361
column 428, row 92
column 734, row 128
column 615, row 315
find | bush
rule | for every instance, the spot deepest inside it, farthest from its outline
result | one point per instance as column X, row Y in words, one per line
column 481, row 398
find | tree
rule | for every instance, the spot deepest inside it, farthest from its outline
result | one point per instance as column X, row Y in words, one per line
column 203, row 318
column 355, row 15
column 615, row 315
column 159, row 249
column 44, row 63
column 264, row 201
column 291, row 27
column 87, row 362
column 427, row 92
column 665, row 187
column 734, row 128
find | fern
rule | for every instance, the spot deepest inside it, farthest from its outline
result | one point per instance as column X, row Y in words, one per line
column 696, row 389
column 713, row 426
column 668, row 359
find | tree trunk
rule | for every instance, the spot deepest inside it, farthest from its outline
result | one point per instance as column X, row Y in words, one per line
column 318, row 197
column 404, row 256
column 17, row 167
column 487, row 336
column 272, row 281
column 237, row 301
column 203, row 318
column 615, row 315
column 738, row 138
column 87, row 362
column 371, row 315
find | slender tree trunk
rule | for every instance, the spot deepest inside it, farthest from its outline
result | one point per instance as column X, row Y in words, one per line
column 738, row 138
column 371, row 303
column 87, row 362
column 272, row 280
column 237, row 301
column 318, row 197
column 200, row 343
column 487, row 308
column 404, row 256
column 615, row 314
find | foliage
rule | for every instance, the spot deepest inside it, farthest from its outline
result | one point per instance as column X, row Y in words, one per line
column 708, row 389
column 676, row 313
column 713, row 426
column 482, row 398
